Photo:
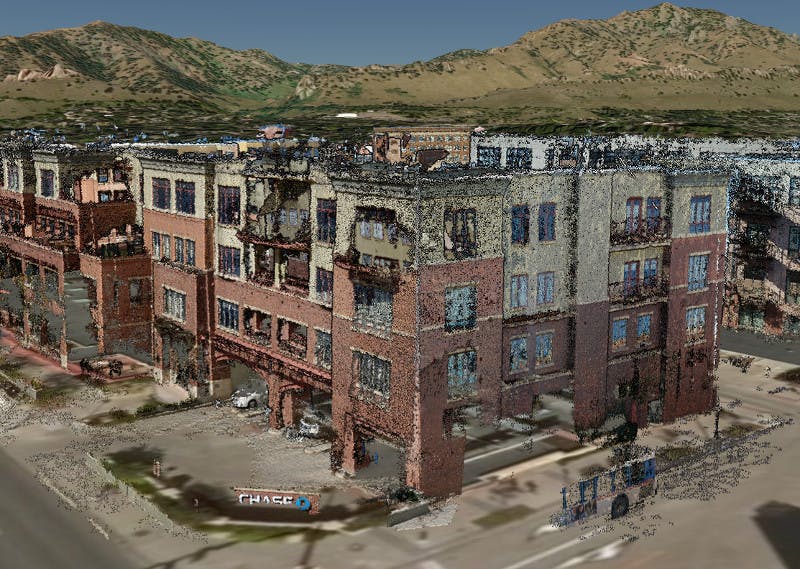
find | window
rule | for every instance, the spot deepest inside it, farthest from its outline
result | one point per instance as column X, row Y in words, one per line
column 544, row 349
column 462, row 376
column 630, row 278
column 650, row 272
column 105, row 196
column 228, row 315
column 633, row 214
column 323, row 354
column 547, row 222
column 696, row 322
column 189, row 247
column 47, row 183
column 518, row 360
column 698, row 272
column 174, row 304
column 161, row 193
column 102, row 175
column 757, row 234
column 156, row 245
column 373, row 372
column 257, row 326
column 229, row 261
column 653, row 214
column 488, row 157
column 373, row 308
column 519, row 158
column 303, row 216
column 377, row 229
column 179, row 250
column 460, row 308
column 520, row 224
column 643, row 328
column 229, row 205
column 135, row 291
column 282, row 216
column 366, row 228
column 794, row 191
column 751, row 318
column 293, row 217
column 326, row 220
column 792, row 287
column 119, row 174
column 165, row 246
column 460, row 233
column 324, row 285
column 13, row 177
column 700, row 214
column 793, row 248
column 544, row 291
column 519, row 291
column 184, row 197
column 619, row 333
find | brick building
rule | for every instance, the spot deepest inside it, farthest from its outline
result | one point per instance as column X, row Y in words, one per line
column 764, row 246
column 68, row 243
column 403, row 297
column 381, row 289
column 401, row 144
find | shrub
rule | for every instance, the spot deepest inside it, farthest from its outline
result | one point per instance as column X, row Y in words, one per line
column 120, row 414
column 147, row 409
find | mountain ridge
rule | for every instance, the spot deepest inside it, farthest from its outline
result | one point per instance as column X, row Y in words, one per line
column 662, row 58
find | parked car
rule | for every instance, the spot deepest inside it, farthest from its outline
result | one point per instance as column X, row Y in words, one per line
column 247, row 398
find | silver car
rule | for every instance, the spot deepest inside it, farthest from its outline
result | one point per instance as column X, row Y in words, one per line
column 247, row 398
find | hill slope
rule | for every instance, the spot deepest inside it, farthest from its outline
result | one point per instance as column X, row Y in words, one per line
column 662, row 60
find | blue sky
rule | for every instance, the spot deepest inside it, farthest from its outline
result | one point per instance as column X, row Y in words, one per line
column 355, row 33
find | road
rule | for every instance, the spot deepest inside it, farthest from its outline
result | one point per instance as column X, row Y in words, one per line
column 39, row 532
column 750, row 343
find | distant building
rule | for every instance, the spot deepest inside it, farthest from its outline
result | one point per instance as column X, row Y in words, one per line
column 401, row 144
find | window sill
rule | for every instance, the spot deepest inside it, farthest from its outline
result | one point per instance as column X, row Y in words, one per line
column 455, row 331
column 696, row 290
column 520, row 370
column 385, row 334
column 543, row 365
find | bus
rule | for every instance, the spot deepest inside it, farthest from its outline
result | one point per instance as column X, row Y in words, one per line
column 610, row 493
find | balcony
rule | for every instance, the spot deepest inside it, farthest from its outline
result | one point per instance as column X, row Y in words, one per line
column 758, row 293
column 13, row 228
column 647, row 290
column 648, row 230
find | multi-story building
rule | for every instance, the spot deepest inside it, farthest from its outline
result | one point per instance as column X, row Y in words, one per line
column 764, row 246
column 408, row 297
column 69, row 243
column 381, row 289
column 401, row 144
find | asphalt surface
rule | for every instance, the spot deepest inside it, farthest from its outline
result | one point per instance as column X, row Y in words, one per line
column 39, row 532
column 749, row 343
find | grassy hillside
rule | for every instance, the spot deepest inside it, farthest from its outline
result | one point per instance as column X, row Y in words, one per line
column 664, row 69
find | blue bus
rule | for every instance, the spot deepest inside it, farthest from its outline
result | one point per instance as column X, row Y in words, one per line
column 611, row 493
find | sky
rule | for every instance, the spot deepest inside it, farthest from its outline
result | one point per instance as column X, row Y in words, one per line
column 351, row 32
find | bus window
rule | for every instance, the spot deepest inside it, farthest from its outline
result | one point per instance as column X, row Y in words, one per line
column 637, row 473
column 650, row 468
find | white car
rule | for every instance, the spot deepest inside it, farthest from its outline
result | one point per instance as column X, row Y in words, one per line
column 247, row 399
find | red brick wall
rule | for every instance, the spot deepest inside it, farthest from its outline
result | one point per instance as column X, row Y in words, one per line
column 590, row 364
column 199, row 230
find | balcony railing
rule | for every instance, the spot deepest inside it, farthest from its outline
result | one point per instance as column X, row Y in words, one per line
column 652, row 288
column 647, row 230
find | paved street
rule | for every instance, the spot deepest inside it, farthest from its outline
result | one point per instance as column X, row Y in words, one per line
column 38, row 532
column 756, row 345
column 721, row 514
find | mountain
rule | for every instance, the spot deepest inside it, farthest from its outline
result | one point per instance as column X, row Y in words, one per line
column 662, row 65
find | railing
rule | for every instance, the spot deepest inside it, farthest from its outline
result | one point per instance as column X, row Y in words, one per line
column 647, row 230
column 636, row 291
column 257, row 337
column 12, row 228
column 294, row 348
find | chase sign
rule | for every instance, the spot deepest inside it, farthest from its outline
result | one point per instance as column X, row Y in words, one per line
column 259, row 497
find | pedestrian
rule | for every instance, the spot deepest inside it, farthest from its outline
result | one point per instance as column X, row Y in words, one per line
column 196, row 505
column 157, row 468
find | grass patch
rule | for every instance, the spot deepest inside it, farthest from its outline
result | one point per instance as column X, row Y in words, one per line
column 673, row 453
column 501, row 517
column 738, row 430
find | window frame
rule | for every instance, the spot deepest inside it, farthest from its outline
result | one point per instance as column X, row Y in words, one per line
column 518, row 300
column 520, row 224
column 185, row 197
column 697, row 266
column 700, row 214
column 227, row 310
column 521, row 363
column 457, row 323
column 548, row 278
column 161, row 193
column 460, row 385
column 619, row 342
column 547, row 222
column 229, row 205
column 543, row 358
